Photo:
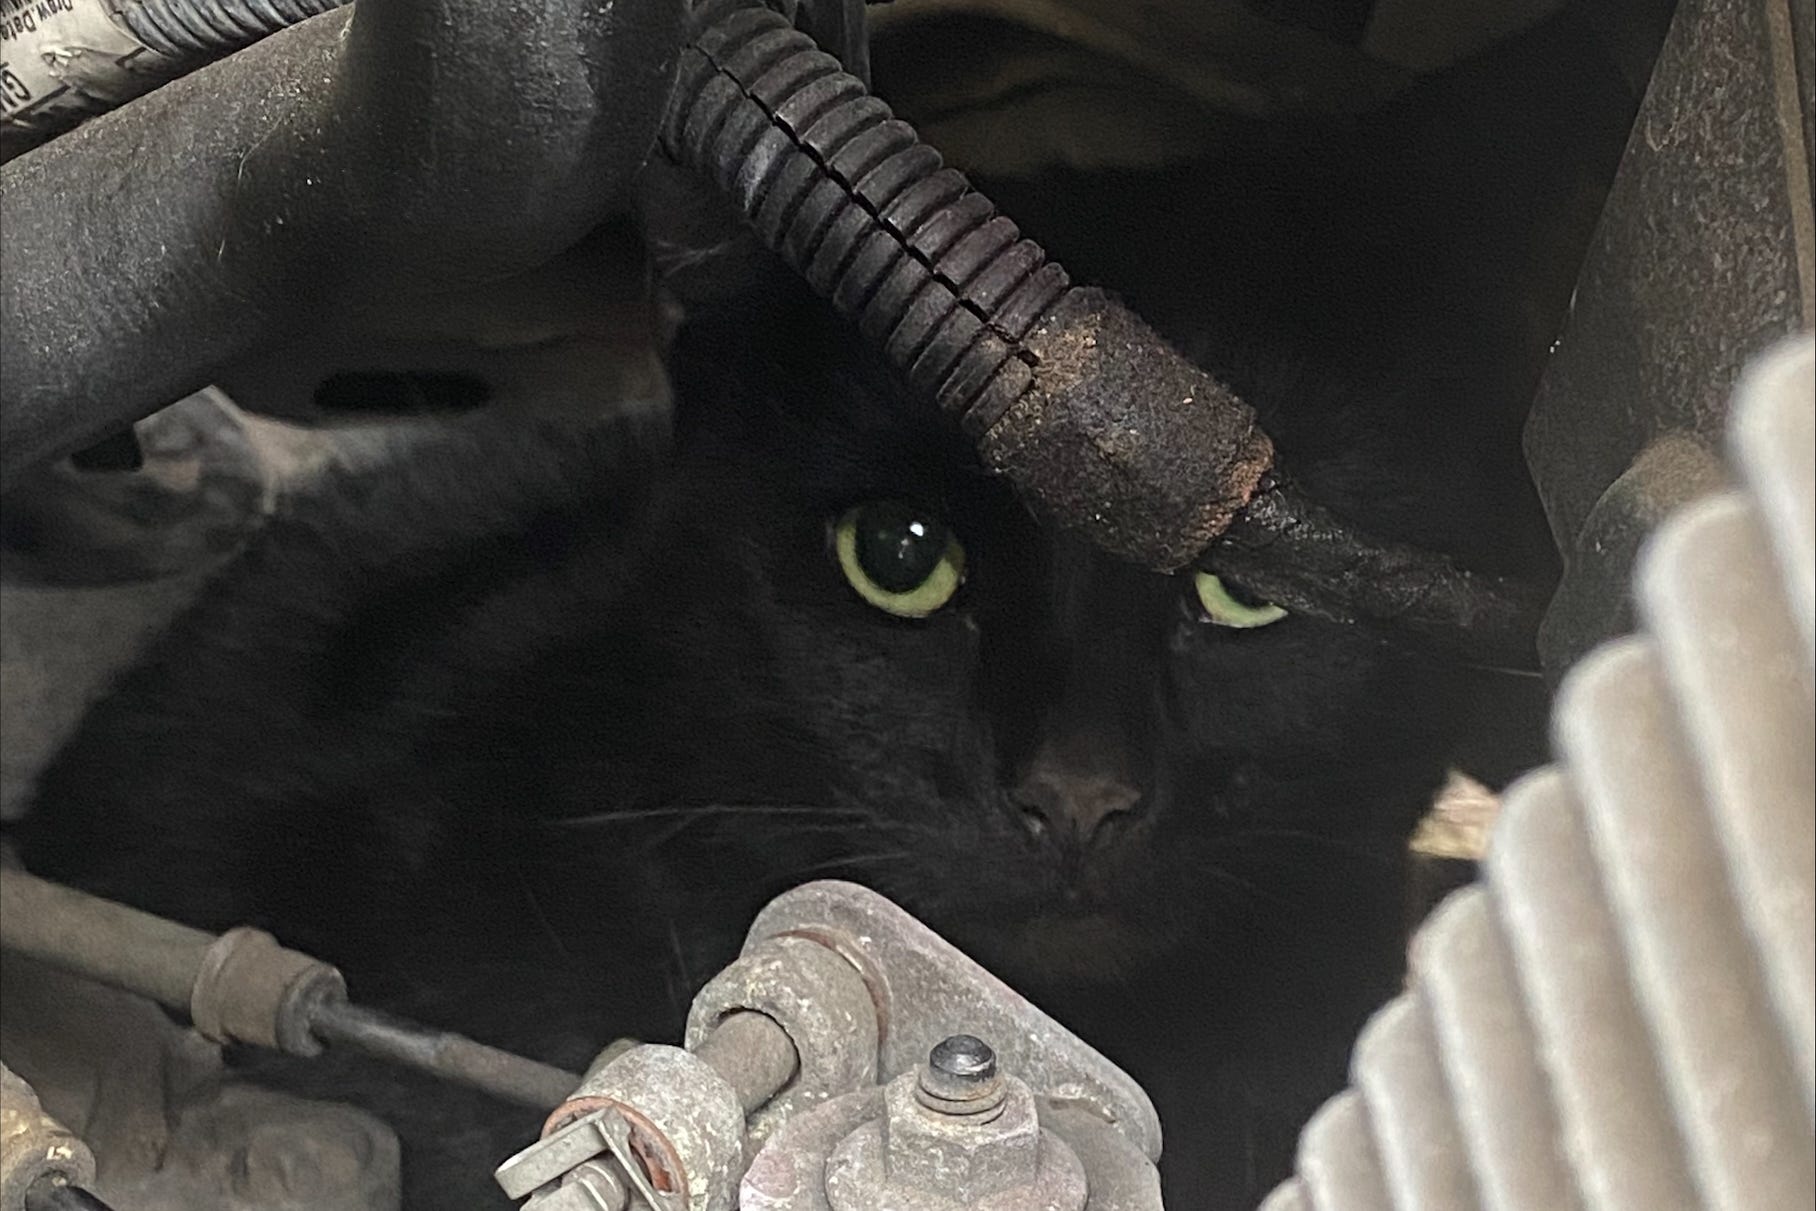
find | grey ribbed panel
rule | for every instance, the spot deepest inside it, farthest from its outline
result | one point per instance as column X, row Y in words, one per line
column 1490, row 1060
column 1773, row 419
column 1337, row 1159
column 1395, row 1067
column 1622, row 1017
column 1710, row 593
column 1696, row 979
column 1618, row 1132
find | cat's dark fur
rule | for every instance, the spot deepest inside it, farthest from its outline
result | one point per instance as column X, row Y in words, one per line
column 525, row 731
column 521, row 734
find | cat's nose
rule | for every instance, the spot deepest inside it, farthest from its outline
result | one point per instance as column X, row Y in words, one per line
column 1072, row 805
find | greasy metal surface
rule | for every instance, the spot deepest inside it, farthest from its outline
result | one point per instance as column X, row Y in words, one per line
column 241, row 986
column 592, row 1186
column 34, row 1146
column 881, row 1150
column 409, row 148
column 1621, row 1016
column 931, row 990
column 557, row 1153
column 1703, row 257
column 821, row 1004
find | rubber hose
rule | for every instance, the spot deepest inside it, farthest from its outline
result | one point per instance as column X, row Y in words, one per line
column 1069, row 394
column 1099, row 424
column 867, row 213
column 204, row 29
column 55, row 1196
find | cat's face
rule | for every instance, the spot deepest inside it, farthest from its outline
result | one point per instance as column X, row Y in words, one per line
column 857, row 645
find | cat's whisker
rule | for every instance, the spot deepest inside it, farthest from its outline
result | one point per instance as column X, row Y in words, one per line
column 1253, row 893
column 881, row 858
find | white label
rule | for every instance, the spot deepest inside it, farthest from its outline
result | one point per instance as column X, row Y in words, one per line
column 61, row 60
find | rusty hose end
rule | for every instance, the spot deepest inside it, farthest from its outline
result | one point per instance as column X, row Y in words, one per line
column 1119, row 437
column 1285, row 547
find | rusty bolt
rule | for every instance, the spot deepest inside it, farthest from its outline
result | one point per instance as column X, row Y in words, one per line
column 960, row 1078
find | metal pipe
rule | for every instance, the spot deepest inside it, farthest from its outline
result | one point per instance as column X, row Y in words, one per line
column 411, row 146
column 243, row 987
column 100, row 940
column 452, row 1057
column 1103, row 427
column 754, row 1055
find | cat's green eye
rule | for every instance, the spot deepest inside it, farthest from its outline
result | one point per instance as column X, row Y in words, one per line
column 902, row 560
column 1222, row 607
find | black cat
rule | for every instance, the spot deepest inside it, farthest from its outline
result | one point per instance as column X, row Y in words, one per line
column 526, row 731
column 522, row 733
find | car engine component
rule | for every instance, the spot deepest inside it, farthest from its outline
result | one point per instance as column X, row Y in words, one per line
column 845, row 1029
column 38, row 1155
column 1071, row 396
column 867, row 1064
column 1621, row 1016
column 242, row 987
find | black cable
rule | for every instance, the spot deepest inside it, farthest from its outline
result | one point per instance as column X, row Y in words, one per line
column 851, row 198
column 51, row 1194
column 1102, row 426
column 207, row 29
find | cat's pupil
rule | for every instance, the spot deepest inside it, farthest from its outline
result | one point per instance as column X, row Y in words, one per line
column 898, row 546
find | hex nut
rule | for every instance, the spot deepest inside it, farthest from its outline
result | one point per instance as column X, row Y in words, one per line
column 963, row 1156
column 913, row 1158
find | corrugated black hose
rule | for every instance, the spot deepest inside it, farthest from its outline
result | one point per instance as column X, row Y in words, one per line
column 1096, row 420
column 206, row 29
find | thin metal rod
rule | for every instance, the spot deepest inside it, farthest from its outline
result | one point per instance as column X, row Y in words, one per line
column 452, row 1057
column 152, row 957
column 754, row 1055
